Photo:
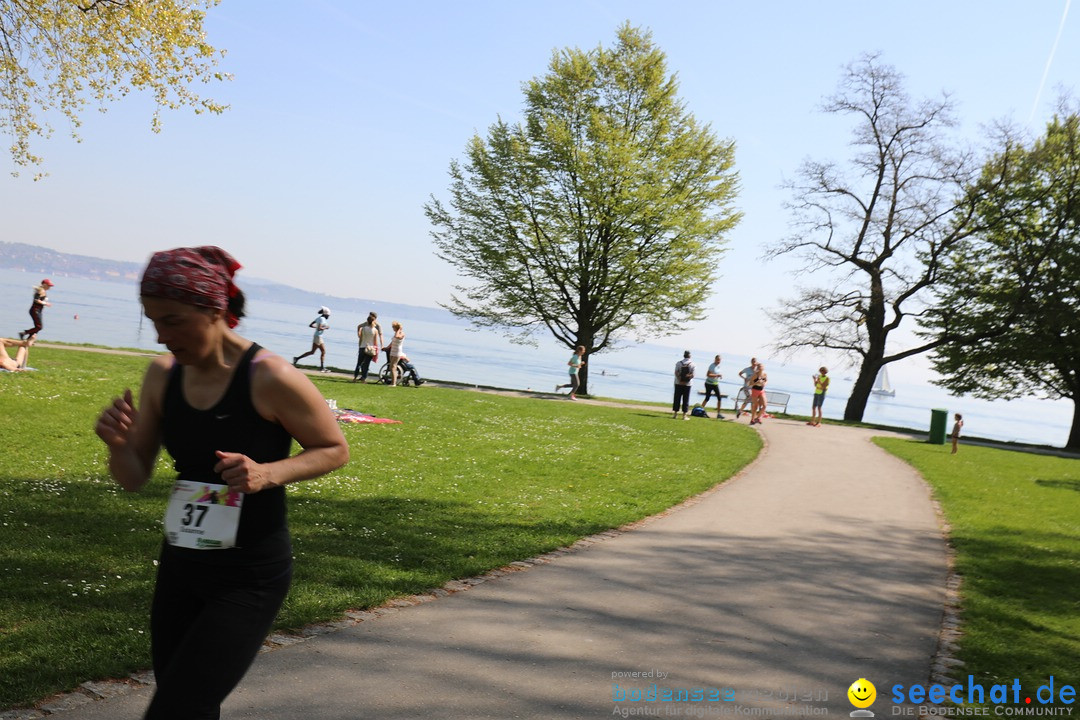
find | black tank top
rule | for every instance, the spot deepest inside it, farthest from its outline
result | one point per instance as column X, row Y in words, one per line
column 232, row 425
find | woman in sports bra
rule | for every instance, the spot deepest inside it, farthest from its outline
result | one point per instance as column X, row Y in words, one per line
column 227, row 411
column 757, row 394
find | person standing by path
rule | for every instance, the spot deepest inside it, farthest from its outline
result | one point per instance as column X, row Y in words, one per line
column 712, row 385
column 747, row 373
column 371, row 339
column 821, row 385
column 684, row 379
column 227, row 411
column 321, row 326
column 40, row 302
column 958, row 425
column 576, row 362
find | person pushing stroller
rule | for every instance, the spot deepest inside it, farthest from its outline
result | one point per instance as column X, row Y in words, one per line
column 397, row 362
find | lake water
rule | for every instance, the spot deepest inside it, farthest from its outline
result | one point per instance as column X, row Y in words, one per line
column 108, row 313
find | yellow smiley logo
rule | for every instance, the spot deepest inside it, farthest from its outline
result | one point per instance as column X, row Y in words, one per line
column 862, row 693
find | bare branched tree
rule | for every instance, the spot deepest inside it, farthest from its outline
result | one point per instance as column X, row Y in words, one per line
column 874, row 230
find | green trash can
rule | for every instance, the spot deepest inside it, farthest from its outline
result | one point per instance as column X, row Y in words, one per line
column 939, row 421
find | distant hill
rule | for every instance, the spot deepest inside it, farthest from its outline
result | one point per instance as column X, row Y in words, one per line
column 50, row 263
column 46, row 262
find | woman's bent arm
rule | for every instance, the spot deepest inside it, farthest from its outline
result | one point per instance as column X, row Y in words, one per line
column 133, row 435
column 285, row 395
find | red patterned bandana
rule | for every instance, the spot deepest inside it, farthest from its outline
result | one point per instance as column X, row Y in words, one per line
column 200, row 276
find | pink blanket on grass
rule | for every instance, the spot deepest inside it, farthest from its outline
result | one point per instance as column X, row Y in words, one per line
column 358, row 418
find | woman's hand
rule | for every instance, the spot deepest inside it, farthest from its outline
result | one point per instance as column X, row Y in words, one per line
column 243, row 474
column 114, row 426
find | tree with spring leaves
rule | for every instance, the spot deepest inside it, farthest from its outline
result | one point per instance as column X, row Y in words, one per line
column 602, row 215
column 1007, row 314
column 60, row 55
column 877, row 230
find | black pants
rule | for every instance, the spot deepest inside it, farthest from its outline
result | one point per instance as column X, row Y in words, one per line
column 35, row 315
column 363, row 364
column 682, row 395
column 711, row 390
column 207, row 625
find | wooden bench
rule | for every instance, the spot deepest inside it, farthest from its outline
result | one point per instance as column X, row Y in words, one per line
column 773, row 398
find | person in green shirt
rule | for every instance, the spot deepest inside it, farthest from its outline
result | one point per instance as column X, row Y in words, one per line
column 576, row 363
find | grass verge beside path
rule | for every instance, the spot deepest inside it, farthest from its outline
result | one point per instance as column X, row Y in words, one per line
column 1015, row 526
column 466, row 483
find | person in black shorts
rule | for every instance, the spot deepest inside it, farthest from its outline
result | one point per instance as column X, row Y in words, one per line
column 227, row 411
column 757, row 394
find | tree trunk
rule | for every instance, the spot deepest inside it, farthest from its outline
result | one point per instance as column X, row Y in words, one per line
column 1074, row 432
column 585, row 339
column 876, row 337
column 860, row 392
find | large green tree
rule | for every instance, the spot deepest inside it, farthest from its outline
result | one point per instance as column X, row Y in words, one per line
column 601, row 215
column 874, row 228
column 1009, row 309
column 60, row 55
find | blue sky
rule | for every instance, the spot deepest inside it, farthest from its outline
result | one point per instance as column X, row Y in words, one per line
column 345, row 115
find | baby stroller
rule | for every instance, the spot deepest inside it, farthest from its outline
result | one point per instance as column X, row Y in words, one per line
column 406, row 372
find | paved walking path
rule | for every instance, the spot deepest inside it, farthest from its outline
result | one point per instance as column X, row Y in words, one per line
column 820, row 564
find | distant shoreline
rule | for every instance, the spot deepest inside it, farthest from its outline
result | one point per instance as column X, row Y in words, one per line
column 37, row 260
column 614, row 402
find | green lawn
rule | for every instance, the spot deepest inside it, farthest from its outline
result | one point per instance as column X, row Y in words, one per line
column 468, row 482
column 1015, row 521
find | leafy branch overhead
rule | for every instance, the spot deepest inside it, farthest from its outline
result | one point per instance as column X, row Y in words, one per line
column 602, row 214
column 58, row 56
column 1006, row 320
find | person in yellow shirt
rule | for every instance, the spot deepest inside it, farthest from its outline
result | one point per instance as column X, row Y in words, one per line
column 821, row 384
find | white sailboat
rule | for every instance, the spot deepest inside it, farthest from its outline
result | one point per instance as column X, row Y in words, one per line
column 882, row 386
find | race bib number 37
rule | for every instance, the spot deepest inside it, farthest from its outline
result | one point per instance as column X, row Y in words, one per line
column 202, row 516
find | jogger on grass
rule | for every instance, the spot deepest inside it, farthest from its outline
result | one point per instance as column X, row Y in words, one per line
column 575, row 364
